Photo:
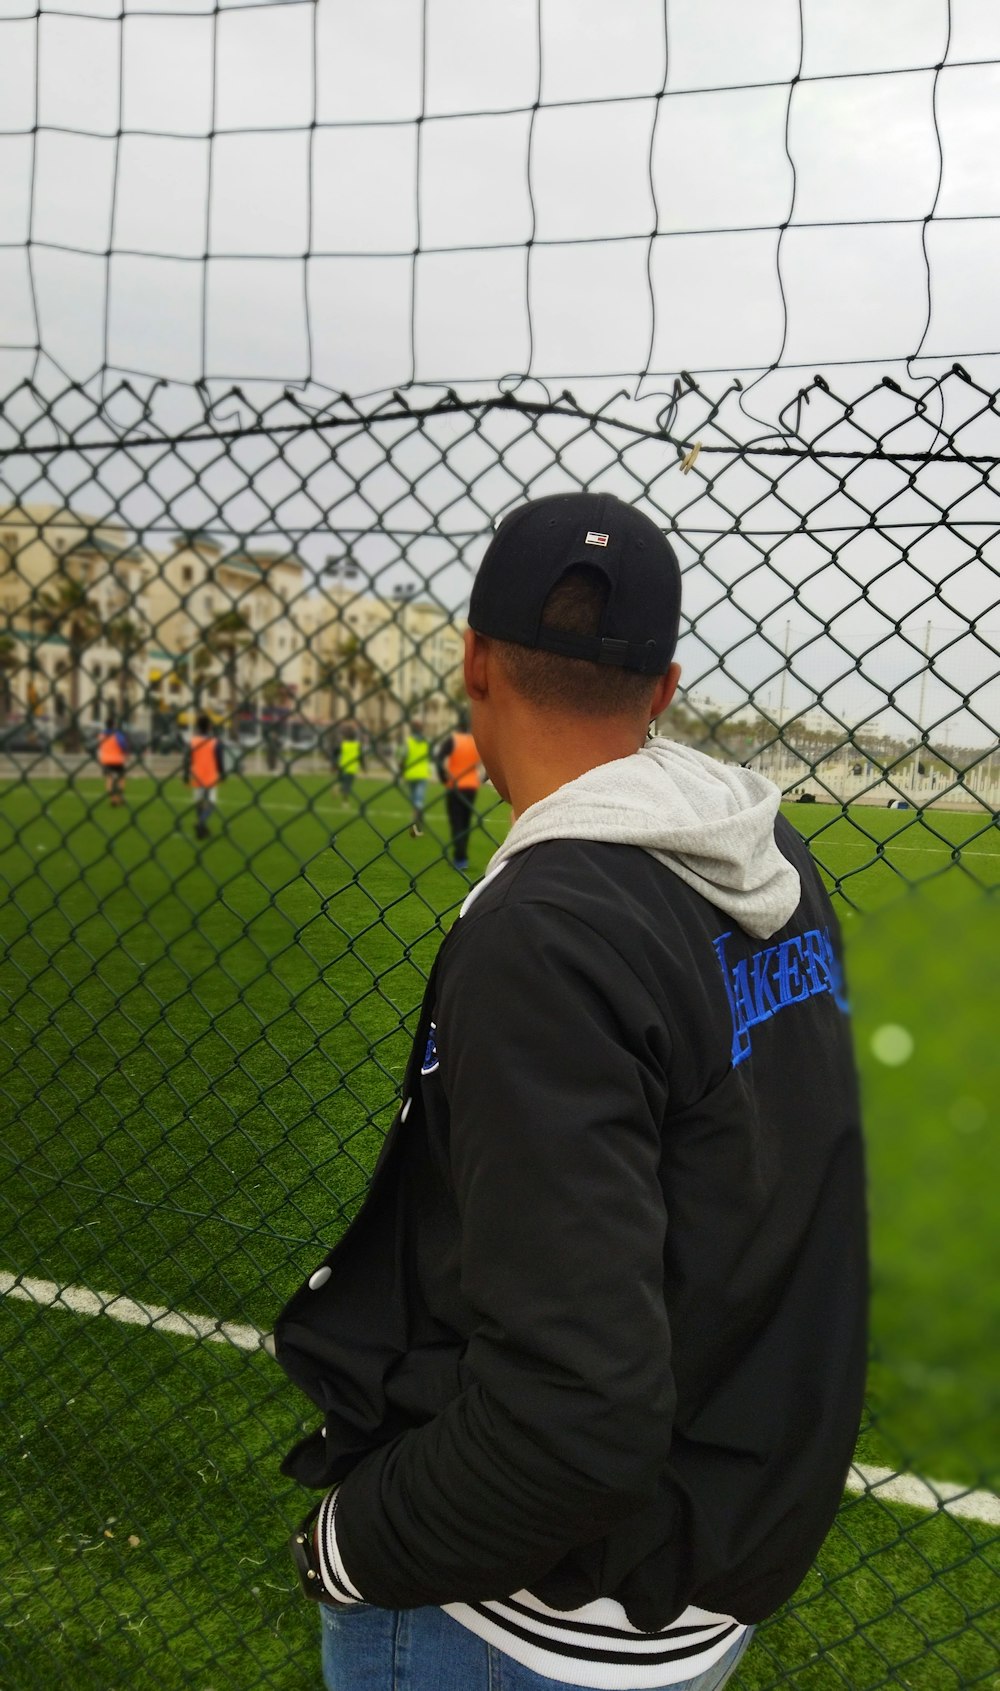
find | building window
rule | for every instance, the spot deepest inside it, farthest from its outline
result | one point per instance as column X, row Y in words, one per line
column 187, row 575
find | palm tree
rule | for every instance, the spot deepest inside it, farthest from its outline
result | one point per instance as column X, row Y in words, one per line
column 277, row 693
column 201, row 664
column 10, row 662
column 69, row 612
column 350, row 677
column 223, row 641
column 128, row 637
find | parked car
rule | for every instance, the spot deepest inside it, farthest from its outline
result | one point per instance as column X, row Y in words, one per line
column 34, row 734
column 300, row 738
column 167, row 737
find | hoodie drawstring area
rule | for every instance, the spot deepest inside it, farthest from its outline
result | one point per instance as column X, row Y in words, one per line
column 711, row 823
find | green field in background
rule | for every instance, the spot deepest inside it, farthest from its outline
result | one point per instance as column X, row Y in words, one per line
column 202, row 1046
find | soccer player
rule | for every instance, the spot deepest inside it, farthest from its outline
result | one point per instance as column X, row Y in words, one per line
column 416, row 762
column 112, row 753
column 458, row 767
column 350, row 759
column 589, row 1363
column 204, row 768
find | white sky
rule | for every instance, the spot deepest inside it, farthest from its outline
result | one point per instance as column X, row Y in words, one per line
column 260, row 180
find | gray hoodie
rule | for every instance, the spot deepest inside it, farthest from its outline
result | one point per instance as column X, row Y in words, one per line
column 711, row 823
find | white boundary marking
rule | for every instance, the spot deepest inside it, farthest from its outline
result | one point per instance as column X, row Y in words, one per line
column 80, row 1300
column 916, row 1493
column 343, row 813
column 883, row 1483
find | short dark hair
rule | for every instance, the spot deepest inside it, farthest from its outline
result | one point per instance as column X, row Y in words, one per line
column 204, row 725
column 575, row 606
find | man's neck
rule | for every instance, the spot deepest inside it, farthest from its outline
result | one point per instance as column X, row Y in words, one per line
column 549, row 752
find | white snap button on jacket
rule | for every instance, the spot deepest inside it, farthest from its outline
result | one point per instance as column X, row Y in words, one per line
column 404, row 1112
column 320, row 1278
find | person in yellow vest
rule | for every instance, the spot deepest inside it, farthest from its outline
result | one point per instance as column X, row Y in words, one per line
column 204, row 768
column 416, row 761
column 459, row 768
column 350, row 759
column 112, row 751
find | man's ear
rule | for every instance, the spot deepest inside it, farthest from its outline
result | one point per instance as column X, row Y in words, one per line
column 666, row 687
column 476, row 665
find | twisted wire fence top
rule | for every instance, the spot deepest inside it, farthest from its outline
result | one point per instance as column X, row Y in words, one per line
column 841, row 598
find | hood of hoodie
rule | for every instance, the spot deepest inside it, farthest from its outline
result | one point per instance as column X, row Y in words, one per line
column 711, row 823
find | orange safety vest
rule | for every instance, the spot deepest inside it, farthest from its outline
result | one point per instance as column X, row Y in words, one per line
column 204, row 763
column 463, row 765
column 109, row 751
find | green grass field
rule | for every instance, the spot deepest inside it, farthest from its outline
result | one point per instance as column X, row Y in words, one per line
column 201, row 1049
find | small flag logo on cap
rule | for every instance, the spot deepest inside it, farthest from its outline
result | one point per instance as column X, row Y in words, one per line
column 594, row 539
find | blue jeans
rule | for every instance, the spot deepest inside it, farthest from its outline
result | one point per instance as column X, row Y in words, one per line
column 425, row 1650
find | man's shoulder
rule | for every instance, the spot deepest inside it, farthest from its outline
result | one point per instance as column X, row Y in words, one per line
column 544, row 915
column 585, row 890
column 563, row 873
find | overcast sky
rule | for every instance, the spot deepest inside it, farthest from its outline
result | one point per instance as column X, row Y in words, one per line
column 316, row 149
column 609, row 203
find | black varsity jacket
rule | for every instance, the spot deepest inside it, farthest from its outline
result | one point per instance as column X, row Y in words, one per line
column 600, row 1326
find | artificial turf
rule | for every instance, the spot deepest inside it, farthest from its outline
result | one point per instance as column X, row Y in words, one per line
column 201, row 1050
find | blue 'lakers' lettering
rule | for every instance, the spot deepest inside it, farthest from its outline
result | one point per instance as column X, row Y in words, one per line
column 759, row 986
column 430, row 1062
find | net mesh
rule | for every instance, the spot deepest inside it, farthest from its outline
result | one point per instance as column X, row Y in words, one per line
column 364, row 197
column 262, row 268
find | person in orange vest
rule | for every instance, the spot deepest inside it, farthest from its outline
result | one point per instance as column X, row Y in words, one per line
column 458, row 766
column 204, row 768
column 112, row 751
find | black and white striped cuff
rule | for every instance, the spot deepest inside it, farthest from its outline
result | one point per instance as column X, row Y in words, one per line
column 331, row 1567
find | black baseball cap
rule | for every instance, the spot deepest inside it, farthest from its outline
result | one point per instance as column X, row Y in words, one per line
column 537, row 543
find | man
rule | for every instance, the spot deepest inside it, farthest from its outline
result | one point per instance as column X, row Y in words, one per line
column 350, row 759
column 590, row 1360
column 416, row 762
column 112, row 752
column 458, row 768
column 204, row 768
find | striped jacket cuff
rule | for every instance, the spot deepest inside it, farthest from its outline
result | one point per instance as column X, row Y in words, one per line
column 331, row 1567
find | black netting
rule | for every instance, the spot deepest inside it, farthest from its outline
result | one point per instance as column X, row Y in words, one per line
column 261, row 270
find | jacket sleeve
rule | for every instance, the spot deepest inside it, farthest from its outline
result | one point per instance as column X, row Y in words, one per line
column 553, row 1061
column 220, row 759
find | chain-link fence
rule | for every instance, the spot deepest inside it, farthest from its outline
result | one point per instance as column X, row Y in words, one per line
column 208, row 988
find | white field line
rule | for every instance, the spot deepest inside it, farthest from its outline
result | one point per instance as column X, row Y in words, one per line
column 356, row 813
column 80, row 1300
column 890, row 1487
column 344, row 812
column 883, row 1483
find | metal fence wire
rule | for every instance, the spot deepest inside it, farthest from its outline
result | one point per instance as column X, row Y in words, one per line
column 207, row 1015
